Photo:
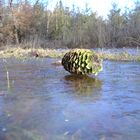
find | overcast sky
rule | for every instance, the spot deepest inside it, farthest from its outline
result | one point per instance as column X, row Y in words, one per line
column 102, row 7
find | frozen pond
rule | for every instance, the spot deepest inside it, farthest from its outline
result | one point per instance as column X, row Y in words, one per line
column 44, row 102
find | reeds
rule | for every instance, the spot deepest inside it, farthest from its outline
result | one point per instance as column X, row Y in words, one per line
column 7, row 74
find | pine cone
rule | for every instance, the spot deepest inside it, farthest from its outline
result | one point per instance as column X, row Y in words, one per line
column 82, row 61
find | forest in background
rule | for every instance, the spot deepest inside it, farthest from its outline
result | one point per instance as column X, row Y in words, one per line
column 34, row 25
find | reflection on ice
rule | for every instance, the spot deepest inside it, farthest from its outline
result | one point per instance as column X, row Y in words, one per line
column 83, row 85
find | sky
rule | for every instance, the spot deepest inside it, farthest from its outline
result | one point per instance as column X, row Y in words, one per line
column 102, row 7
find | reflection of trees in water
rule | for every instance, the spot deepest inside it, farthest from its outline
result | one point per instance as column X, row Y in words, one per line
column 83, row 85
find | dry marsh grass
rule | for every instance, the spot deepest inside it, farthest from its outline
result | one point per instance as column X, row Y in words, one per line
column 30, row 52
column 55, row 53
column 122, row 56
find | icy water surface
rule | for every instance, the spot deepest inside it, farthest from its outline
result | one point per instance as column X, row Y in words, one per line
column 44, row 102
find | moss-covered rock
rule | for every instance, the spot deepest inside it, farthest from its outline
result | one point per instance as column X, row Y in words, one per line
column 82, row 61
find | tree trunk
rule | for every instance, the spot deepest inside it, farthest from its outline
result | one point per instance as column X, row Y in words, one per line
column 14, row 23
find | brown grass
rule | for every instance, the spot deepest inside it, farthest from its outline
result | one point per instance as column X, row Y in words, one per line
column 30, row 52
column 122, row 56
column 18, row 52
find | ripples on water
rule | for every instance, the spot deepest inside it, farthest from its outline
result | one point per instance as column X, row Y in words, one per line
column 45, row 102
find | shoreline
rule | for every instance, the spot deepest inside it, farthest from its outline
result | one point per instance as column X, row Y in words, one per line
column 21, row 53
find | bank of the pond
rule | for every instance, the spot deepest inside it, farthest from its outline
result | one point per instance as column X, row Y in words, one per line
column 56, row 53
column 30, row 52
column 122, row 56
